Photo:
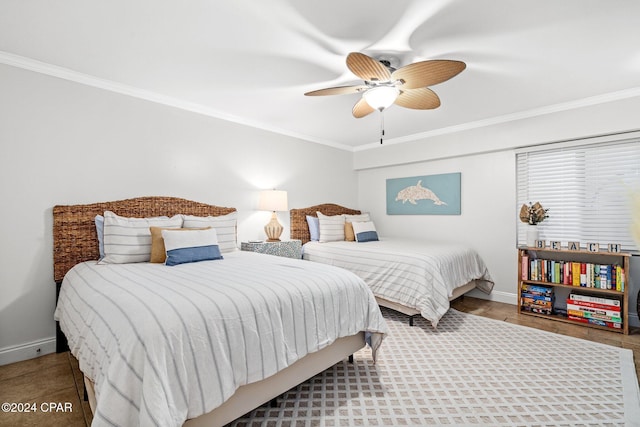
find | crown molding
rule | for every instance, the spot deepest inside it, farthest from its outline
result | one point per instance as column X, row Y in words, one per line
column 565, row 106
column 109, row 85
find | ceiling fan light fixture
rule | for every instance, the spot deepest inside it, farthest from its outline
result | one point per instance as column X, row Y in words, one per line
column 381, row 97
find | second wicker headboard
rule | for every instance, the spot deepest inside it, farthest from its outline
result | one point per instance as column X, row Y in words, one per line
column 74, row 231
column 299, row 229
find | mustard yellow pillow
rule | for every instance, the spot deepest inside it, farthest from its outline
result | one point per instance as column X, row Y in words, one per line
column 349, row 235
column 158, row 251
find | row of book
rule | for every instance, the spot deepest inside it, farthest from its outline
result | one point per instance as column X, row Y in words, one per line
column 595, row 310
column 582, row 274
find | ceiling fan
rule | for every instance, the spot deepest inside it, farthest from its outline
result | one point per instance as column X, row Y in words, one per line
column 384, row 85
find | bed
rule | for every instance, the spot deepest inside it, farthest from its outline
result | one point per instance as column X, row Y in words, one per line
column 412, row 277
column 199, row 343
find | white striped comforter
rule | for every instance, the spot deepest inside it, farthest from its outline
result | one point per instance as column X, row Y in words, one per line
column 415, row 274
column 164, row 344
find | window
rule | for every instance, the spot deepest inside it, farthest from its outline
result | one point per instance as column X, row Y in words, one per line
column 587, row 188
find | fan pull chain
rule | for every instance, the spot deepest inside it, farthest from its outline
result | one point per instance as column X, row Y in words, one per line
column 381, row 125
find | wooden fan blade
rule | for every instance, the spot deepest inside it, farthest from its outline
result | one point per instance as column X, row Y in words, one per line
column 367, row 68
column 339, row 90
column 362, row 109
column 427, row 73
column 418, row 99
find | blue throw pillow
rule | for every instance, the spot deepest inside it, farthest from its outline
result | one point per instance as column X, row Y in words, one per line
column 314, row 227
column 191, row 246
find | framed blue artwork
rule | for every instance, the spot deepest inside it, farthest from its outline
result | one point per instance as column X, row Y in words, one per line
column 424, row 195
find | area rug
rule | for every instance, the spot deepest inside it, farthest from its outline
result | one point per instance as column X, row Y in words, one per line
column 471, row 371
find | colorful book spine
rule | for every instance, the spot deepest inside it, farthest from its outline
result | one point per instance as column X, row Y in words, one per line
column 594, row 305
column 587, row 315
column 536, row 303
column 536, row 300
column 537, row 297
column 604, row 273
column 539, row 289
column 525, row 267
column 596, row 312
column 598, row 300
column 614, row 278
column 535, row 309
column 615, row 325
column 619, row 279
column 575, row 273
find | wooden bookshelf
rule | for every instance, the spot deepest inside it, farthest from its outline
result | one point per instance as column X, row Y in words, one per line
column 561, row 290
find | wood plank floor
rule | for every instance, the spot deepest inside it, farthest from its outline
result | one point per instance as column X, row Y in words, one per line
column 56, row 378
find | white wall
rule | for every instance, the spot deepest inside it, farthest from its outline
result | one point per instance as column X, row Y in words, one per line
column 486, row 158
column 486, row 223
column 65, row 143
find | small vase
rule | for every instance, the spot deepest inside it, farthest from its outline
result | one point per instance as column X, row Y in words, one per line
column 532, row 235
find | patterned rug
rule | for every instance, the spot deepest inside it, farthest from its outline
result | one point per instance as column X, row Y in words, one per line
column 471, row 371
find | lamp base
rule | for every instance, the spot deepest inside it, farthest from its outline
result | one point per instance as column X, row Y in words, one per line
column 273, row 229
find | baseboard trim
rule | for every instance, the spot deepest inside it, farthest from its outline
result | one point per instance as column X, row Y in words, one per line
column 634, row 320
column 27, row 351
column 498, row 296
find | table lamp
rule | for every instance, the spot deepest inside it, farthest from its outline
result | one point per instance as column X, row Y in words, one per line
column 273, row 200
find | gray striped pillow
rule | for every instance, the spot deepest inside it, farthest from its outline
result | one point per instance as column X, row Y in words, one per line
column 331, row 227
column 128, row 240
column 225, row 226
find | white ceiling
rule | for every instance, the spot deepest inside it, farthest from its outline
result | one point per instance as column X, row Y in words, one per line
column 251, row 61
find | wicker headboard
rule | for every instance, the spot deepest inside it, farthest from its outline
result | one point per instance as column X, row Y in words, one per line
column 74, row 232
column 300, row 228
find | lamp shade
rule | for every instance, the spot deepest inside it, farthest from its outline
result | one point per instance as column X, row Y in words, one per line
column 273, row 200
column 381, row 97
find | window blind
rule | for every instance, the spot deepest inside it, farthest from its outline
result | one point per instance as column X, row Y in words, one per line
column 587, row 189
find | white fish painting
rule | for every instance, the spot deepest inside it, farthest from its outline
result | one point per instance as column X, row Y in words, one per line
column 418, row 192
column 437, row 194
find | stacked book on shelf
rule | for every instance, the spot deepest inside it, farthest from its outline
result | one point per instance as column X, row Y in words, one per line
column 595, row 310
column 582, row 274
column 537, row 298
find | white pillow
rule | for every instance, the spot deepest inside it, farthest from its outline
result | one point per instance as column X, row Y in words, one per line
column 331, row 228
column 190, row 246
column 128, row 240
column 225, row 226
column 99, row 221
column 365, row 231
column 357, row 218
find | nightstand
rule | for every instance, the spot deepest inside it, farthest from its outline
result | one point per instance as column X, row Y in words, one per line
column 285, row 248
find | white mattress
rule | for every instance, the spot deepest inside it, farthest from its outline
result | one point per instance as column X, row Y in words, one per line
column 416, row 274
column 164, row 344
